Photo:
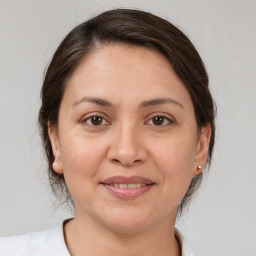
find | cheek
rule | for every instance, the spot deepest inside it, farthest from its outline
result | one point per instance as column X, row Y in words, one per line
column 81, row 159
column 175, row 154
column 175, row 161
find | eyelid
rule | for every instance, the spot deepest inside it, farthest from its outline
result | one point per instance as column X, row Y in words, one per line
column 166, row 116
column 86, row 117
column 98, row 114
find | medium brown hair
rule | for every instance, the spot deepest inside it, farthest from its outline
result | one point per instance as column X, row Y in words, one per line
column 131, row 27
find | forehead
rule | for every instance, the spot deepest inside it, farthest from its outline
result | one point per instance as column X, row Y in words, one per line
column 116, row 70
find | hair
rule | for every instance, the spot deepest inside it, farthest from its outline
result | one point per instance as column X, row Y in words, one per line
column 131, row 27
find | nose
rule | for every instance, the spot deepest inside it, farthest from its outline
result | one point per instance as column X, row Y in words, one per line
column 127, row 147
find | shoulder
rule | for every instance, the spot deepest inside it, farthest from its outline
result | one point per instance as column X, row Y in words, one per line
column 48, row 242
column 185, row 248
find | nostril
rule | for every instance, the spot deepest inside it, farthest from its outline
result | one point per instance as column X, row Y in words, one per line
column 126, row 162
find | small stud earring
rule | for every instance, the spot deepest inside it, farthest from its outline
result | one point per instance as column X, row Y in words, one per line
column 199, row 167
column 55, row 164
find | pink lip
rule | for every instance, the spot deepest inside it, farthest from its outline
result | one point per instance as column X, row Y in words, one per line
column 127, row 193
column 127, row 180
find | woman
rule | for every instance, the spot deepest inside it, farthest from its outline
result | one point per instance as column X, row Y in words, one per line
column 127, row 122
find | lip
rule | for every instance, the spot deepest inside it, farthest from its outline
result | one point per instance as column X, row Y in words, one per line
column 127, row 180
column 127, row 193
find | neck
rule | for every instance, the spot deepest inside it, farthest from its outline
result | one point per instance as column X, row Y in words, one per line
column 85, row 237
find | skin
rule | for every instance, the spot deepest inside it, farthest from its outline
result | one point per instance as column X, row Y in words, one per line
column 127, row 142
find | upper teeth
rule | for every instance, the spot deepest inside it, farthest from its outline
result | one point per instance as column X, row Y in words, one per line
column 133, row 185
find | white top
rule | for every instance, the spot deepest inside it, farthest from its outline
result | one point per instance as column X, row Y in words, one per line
column 51, row 242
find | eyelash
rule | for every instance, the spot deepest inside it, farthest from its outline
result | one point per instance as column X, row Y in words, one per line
column 85, row 120
column 166, row 119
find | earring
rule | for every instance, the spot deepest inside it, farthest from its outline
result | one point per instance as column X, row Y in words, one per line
column 199, row 167
column 55, row 164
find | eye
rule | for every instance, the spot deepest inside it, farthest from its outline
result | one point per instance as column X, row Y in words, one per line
column 95, row 121
column 160, row 120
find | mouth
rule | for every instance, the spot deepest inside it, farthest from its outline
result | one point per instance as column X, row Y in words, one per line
column 130, row 186
column 127, row 187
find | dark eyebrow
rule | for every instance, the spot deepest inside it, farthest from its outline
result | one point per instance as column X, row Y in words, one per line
column 159, row 101
column 144, row 104
column 94, row 100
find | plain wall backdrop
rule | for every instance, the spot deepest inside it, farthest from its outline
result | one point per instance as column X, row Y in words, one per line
column 222, row 218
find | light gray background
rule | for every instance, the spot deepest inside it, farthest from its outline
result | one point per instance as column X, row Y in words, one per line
column 222, row 219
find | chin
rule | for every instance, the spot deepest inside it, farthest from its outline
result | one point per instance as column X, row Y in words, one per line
column 127, row 222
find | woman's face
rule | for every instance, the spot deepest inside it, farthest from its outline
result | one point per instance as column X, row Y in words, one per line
column 127, row 140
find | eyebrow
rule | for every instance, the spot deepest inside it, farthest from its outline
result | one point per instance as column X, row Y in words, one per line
column 159, row 101
column 94, row 100
column 144, row 104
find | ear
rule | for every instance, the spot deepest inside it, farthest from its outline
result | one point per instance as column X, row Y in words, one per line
column 202, row 149
column 53, row 135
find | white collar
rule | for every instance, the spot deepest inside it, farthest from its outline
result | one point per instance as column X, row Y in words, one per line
column 186, row 250
column 51, row 242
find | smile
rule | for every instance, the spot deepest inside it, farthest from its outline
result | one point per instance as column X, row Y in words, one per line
column 127, row 187
column 132, row 185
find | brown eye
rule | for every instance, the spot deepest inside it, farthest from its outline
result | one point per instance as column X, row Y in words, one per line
column 158, row 120
column 95, row 121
